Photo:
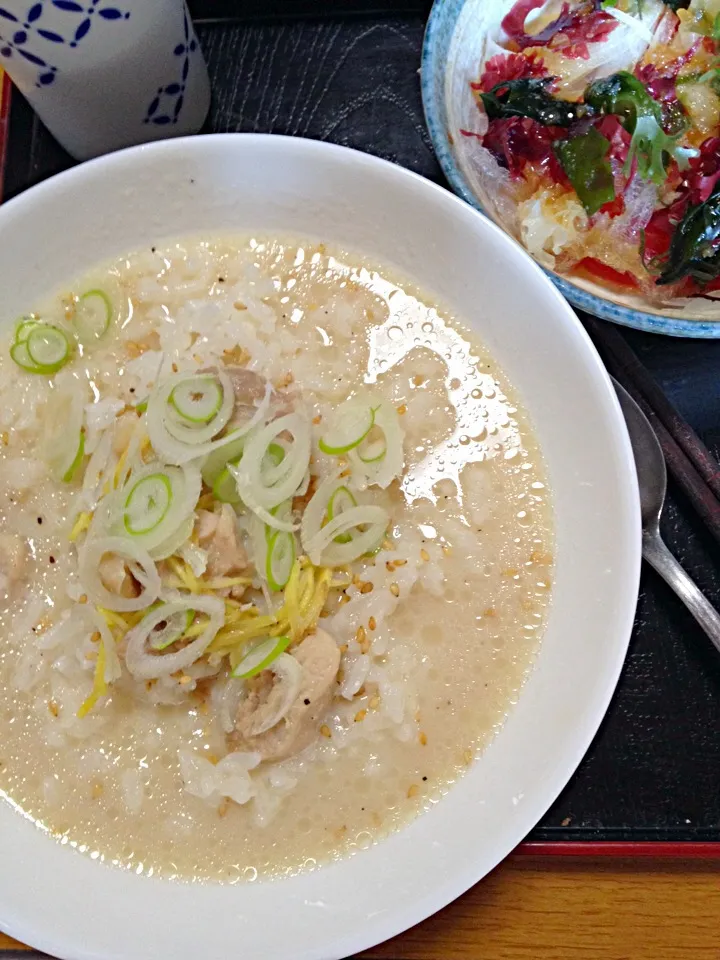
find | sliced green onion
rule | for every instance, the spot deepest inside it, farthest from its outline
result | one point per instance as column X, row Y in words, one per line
column 22, row 331
column 365, row 523
column 374, row 447
column 351, row 423
column 342, row 499
column 280, row 559
column 147, row 504
column 43, row 349
column 144, row 570
column 260, row 657
column 217, row 460
column 177, row 441
column 197, row 399
column 275, row 453
column 174, row 541
column 225, row 488
column 146, row 663
column 263, row 487
column 19, row 353
column 274, row 462
column 48, row 348
column 156, row 506
column 142, row 406
column 282, row 512
column 93, row 315
column 75, row 465
column 379, row 459
column 376, row 549
column 63, row 441
column 169, row 631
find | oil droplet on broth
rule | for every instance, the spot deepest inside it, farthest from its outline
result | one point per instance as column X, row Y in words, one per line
column 464, row 384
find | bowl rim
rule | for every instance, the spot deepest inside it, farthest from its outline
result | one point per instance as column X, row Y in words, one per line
column 437, row 42
column 375, row 927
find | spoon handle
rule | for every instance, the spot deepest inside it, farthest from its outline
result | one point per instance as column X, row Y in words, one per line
column 659, row 557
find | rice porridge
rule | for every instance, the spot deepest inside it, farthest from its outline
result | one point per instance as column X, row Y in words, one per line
column 275, row 557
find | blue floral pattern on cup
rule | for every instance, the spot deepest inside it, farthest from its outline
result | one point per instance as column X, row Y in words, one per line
column 29, row 28
column 167, row 104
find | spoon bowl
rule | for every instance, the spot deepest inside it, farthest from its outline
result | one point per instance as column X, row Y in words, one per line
column 652, row 481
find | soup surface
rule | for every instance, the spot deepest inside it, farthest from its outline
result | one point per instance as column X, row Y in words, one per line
column 399, row 585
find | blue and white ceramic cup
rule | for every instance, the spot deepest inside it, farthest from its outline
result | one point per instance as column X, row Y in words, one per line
column 105, row 74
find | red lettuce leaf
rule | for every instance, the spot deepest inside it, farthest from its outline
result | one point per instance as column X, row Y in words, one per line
column 569, row 34
column 660, row 81
column 501, row 68
column 518, row 141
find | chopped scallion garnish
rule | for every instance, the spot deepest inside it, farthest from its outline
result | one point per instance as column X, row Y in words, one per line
column 93, row 315
column 261, row 657
column 197, row 399
column 40, row 347
column 147, row 504
column 280, row 559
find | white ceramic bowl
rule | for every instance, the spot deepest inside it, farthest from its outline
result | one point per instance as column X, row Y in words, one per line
column 72, row 907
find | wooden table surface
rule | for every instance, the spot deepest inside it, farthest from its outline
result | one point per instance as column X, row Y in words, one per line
column 569, row 909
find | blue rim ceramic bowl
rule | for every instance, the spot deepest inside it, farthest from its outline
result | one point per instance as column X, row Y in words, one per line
column 449, row 29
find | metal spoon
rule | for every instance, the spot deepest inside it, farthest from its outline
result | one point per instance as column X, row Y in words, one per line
column 652, row 479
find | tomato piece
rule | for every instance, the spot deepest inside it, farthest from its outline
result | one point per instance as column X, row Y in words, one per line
column 614, row 207
column 658, row 234
column 597, row 270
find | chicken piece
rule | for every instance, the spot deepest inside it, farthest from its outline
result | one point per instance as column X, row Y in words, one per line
column 249, row 389
column 217, row 533
column 248, row 386
column 117, row 578
column 13, row 560
column 319, row 657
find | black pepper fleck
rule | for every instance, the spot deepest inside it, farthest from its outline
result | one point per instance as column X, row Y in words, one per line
column 306, row 702
column 153, row 249
column 39, row 519
column 221, row 279
column 424, row 778
column 132, row 389
column 52, row 559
